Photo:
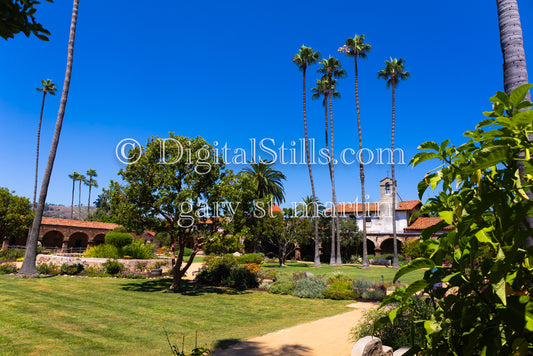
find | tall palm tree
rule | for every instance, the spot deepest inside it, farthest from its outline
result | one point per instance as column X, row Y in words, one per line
column 304, row 58
column 74, row 176
column 512, row 44
column 357, row 48
column 47, row 88
column 91, row 183
column 331, row 68
column 82, row 180
column 394, row 72
column 29, row 269
column 268, row 180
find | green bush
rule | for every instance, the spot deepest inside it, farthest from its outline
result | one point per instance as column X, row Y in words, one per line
column 138, row 250
column 400, row 332
column 369, row 290
column 340, row 290
column 6, row 268
column 11, row 255
column 225, row 271
column 241, row 278
column 47, row 268
column 282, row 287
column 309, row 288
column 118, row 239
column 113, row 267
column 187, row 252
column 94, row 271
column 103, row 251
column 251, row 258
column 120, row 229
column 72, row 269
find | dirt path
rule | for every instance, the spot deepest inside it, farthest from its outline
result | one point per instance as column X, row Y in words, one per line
column 323, row 337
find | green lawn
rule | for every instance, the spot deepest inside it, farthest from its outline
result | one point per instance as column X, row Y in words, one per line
column 354, row 272
column 63, row 315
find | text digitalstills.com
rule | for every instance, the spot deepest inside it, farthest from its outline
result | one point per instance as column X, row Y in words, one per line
column 129, row 151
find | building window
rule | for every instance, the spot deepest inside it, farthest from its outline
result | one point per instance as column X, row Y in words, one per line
column 387, row 188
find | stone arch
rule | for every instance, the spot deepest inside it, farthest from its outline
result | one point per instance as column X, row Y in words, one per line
column 52, row 239
column 99, row 239
column 78, row 240
column 387, row 246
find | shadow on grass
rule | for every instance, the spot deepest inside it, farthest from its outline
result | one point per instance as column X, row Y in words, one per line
column 249, row 348
column 189, row 288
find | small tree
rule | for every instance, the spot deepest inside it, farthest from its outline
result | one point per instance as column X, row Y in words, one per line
column 172, row 187
column 15, row 216
column 284, row 232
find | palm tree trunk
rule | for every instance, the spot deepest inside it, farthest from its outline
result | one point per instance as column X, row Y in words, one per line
column 28, row 268
column 79, row 201
column 72, row 203
column 361, row 166
column 335, row 221
column 395, row 263
column 315, row 209
column 37, row 155
column 89, row 200
column 512, row 44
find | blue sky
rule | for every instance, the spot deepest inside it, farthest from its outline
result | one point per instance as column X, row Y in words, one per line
column 224, row 71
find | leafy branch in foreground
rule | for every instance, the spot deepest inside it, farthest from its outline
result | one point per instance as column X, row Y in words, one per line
column 479, row 277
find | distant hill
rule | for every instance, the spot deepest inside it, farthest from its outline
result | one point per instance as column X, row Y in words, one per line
column 63, row 212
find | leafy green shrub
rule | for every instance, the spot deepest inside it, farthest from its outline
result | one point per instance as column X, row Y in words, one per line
column 120, row 229
column 103, row 251
column 282, row 287
column 118, row 239
column 227, row 259
column 241, row 278
column 485, row 304
column 94, row 271
column 141, row 266
column 340, row 290
column 7, row 268
column 187, row 252
column 309, row 288
column 225, row 271
column 113, row 267
column 339, row 276
column 251, row 258
column 398, row 334
column 138, row 250
column 369, row 290
column 72, row 269
column 11, row 255
column 47, row 268
column 267, row 274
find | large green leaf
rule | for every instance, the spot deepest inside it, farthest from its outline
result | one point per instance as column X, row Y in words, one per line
column 414, row 265
column 428, row 145
column 423, row 156
column 415, row 287
column 518, row 95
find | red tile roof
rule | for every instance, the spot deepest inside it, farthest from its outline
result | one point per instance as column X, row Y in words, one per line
column 424, row 222
column 408, row 205
column 78, row 223
column 405, row 205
